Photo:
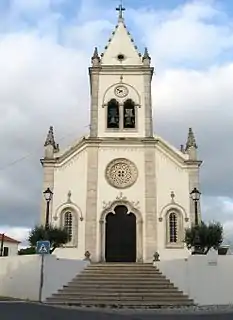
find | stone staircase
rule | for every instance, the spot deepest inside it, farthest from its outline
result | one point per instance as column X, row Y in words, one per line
column 120, row 285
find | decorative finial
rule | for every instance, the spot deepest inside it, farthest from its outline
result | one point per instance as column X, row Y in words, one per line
column 172, row 196
column 95, row 58
column 121, row 78
column 182, row 148
column 146, row 57
column 120, row 9
column 50, row 141
column 191, row 142
column 69, row 197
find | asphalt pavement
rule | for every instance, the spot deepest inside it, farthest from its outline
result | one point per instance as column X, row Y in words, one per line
column 24, row 310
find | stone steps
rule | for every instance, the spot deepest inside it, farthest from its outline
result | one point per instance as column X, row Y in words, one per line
column 121, row 285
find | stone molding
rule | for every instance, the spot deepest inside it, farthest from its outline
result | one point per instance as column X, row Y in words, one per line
column 121, row 173
column 133, row 207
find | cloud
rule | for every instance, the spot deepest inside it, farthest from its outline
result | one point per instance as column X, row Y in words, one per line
column 45, row 50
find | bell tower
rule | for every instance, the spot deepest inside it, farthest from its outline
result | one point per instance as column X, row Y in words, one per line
column 120, row 81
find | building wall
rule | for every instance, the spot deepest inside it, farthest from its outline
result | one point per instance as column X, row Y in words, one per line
column 171, row 176
column 135, row 85
column 107, row 193
column 13, row 248
column 20, row 275
column 206, row 279
column 71, row 175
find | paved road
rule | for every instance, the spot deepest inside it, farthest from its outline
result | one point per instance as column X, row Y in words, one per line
column 24, row 311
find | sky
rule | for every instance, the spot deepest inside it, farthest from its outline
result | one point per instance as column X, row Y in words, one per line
column 45, row 50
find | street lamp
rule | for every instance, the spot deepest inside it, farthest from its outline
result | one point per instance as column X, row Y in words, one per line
column 48, row 197
column 196, row 194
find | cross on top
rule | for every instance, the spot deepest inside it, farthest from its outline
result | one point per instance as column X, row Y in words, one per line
column 120, row 9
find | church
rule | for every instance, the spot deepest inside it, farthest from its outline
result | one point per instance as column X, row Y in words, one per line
column 122, row 192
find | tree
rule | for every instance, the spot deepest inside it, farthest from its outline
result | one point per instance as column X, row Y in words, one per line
column 29, row 250
column 56, row 236
column 210, row 236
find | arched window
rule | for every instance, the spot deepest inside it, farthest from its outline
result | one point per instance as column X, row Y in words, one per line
column 173, row 227
column 129, row 114
column 113, row 114
column 68, row 224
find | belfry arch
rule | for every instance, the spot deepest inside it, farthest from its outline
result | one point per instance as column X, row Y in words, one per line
column 132, row 219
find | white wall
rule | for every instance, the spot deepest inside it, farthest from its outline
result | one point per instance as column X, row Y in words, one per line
column 13, row 248
column 20, row 275
column 206, row 279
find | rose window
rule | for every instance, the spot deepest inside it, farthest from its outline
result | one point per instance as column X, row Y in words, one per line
column 121, row 173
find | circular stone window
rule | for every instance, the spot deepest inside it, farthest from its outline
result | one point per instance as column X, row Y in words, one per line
column 120, row 57
column 121, row 173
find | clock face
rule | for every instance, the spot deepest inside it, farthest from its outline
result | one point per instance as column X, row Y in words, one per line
column 121, row 91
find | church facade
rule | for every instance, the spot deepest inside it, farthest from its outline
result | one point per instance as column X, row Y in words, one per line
column 122, row 192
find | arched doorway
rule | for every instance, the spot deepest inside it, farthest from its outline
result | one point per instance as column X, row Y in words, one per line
column 120, row 236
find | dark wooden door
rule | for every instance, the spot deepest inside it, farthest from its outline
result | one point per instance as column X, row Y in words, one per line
column 120, row 241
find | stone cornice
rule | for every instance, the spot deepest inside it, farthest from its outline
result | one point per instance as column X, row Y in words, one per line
column 122, row 68
column 139, row 142
column 47, row 161
column 195, row 163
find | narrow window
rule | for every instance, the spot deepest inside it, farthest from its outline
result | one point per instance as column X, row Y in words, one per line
column 113, row 114
column 5, row 251
column 173, row 227
column 129, row 114
column 68, row 224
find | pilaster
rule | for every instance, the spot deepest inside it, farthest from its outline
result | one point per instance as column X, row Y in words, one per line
column 48, row 182
column 194, row 182
column 91, row 206
column 148, row 103
column 150, row 204
column 94, row 78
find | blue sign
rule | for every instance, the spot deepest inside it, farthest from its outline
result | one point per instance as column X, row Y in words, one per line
column 43, row 247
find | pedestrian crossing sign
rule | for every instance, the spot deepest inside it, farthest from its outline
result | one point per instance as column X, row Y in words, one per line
column 43, row 247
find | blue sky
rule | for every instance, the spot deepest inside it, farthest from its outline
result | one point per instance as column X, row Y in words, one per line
column 45, row 50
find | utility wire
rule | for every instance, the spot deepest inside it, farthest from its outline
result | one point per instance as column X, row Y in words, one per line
column 10, row 164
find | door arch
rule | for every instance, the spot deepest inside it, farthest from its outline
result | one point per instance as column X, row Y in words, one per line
column 120, row 235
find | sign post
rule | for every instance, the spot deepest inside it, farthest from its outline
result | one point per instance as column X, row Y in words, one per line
column 42, row 248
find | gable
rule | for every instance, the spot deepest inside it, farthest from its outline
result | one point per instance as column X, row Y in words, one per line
column 122, row 43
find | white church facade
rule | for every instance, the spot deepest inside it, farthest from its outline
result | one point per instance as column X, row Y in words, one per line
column 122, row 192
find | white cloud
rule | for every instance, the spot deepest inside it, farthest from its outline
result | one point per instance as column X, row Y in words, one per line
column 195, row 32
column 18, row 233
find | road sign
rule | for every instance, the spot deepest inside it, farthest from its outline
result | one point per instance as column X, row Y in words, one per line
column 43, row 247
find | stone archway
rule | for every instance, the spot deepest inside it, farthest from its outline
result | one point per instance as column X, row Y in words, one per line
column 135, row 218
column 120, row 235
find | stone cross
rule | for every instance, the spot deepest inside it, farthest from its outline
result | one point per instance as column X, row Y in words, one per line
column 120, row 9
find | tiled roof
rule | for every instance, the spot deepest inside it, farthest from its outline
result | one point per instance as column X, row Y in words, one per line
column 8, row 239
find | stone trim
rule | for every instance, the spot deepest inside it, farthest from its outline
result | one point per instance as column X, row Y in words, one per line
column 150, row 204
column 139, row 226
column 180, row 230
column 148, row 106
column 94, row 78
column 91, row 203
column 75, row 225
column 173, row 206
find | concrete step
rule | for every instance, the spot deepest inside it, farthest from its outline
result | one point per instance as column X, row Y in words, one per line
column 122, row 272
column 132, row 303
column 126, row 295
column 119, row 288
column 120, row 280
column 136, row 285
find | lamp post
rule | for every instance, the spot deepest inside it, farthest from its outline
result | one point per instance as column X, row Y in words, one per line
column 196, row 194
column 48, row 197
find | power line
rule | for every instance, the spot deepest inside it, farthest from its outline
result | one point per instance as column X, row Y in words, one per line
column 10, row 164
